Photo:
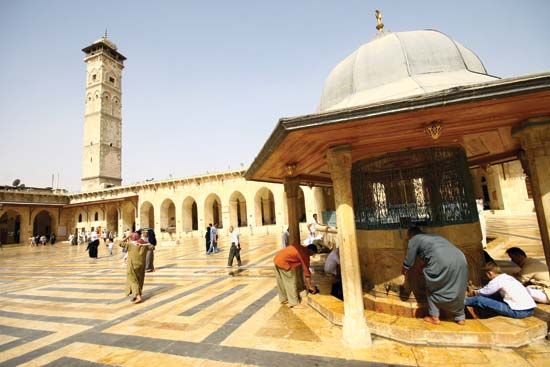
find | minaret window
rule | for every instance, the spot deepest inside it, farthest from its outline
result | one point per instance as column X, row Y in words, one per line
column 94, row 77
column 112, row 80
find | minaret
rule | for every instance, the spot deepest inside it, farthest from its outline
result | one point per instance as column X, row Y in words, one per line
column 101, row 154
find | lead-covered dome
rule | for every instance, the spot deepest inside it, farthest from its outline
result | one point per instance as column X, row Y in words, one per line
column 401, row 64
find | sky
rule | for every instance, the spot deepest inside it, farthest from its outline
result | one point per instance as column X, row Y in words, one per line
column 205, row 82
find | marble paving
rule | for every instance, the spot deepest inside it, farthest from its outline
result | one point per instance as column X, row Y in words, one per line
column 60, row 308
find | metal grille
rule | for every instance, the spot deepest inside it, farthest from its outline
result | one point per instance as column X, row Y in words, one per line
column 427, row 187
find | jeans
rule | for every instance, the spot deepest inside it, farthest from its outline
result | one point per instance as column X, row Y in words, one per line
column 498, row 306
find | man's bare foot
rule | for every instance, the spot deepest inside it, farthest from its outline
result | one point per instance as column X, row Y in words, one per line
column 138, row 300
column 432, row 320
column 284, row 302
column 133, row 299
column 461, row 322
column 298, row 306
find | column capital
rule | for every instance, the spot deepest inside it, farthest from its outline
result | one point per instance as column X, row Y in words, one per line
column 338, row 160
column 534, row 136
column 291, row 185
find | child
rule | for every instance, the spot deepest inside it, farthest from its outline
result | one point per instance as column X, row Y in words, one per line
column 110, row 244
column 503, row 295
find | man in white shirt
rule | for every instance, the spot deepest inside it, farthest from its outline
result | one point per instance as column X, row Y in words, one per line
column 235, row 250
column 514, row 300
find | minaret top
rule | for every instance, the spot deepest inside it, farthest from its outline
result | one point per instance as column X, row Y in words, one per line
column 106, row 45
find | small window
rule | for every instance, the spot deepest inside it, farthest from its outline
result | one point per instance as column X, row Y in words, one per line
column 112, row 80
column 94, row 77
column 79, row 218
column 110, row 144
column 96, row 216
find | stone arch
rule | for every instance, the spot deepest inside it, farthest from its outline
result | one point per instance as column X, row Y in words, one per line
column 112, row 219
column 190, row 215
column 128, row 217
column 168, row 216
column 237, row 210
column 10, row 227
column 264, row 205
column 116, row 106
column 324, row 200
column 43, row 223
column 147, row 215
column 106, row 102
column 213, row 210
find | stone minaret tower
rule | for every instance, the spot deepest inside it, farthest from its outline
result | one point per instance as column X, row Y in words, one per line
column 101, row 155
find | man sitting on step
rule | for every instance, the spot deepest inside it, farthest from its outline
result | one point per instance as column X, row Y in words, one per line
column 533, row 274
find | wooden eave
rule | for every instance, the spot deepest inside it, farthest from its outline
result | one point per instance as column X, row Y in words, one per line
column 479, row 118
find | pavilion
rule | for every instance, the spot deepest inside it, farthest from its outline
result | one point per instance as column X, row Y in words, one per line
column 401, row 96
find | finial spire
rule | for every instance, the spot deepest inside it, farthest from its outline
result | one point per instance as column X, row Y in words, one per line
column 379, row 24
column 105, row 35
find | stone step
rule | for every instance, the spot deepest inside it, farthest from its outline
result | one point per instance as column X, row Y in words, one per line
column 493, row 332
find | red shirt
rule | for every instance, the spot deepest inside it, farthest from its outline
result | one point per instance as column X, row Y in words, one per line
column 291, row 257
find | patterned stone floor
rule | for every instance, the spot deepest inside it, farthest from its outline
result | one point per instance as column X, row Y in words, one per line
column 60, row 308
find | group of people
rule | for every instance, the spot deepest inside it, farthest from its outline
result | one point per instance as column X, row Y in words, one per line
column 42, row 240
column 445, row 270
column 446, row 273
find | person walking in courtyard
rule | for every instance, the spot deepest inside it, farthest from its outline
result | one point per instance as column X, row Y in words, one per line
column 135, row 270
column 533, row 274
column 284, row 238
column 235, row 250
column 213, row 239
column 148, row 236
column 445, row 271
column 207, row 237
column 503, row 295
column 110, row 245
column 93, row 245
column 291, row 271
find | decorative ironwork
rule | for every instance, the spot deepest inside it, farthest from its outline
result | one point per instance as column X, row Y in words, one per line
column 427, row 187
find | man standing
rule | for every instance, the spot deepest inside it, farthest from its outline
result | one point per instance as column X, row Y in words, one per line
column 291, row 269
column 445, row 271
column 207, row 238
column 533, row 274
column 235, row 250
column 284, row 238
column 150, row 256
column 213, row 239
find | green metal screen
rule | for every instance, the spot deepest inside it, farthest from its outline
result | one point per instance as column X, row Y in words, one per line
column 427, row 187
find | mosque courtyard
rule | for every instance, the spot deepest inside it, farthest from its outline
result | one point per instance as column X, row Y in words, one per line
column 60, row 308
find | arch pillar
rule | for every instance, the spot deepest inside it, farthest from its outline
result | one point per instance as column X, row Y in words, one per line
column 355, row 330
column 291, row 185
column 534, row 138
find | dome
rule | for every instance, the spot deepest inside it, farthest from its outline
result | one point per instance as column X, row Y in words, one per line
column 401, row 64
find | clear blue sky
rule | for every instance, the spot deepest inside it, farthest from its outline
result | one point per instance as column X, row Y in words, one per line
column 206, row 81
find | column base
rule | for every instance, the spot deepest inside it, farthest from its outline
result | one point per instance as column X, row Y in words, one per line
column 355, row 332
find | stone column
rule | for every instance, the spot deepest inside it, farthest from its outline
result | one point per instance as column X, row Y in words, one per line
column 534, row 136
column 291, row 190
column 355, row 329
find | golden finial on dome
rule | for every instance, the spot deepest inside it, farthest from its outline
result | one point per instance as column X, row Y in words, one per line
column 379, row 24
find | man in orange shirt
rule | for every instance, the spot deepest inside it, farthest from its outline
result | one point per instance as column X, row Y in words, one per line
column 291, row 268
